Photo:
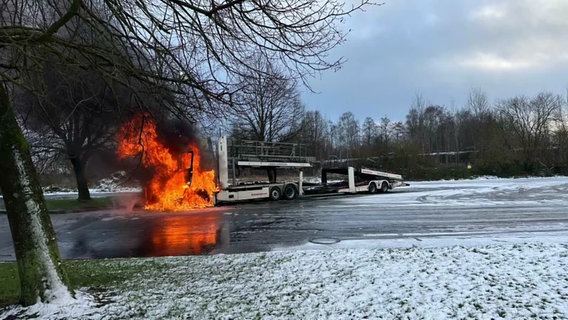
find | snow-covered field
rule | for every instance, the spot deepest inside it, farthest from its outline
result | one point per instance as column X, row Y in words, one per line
column 485, row 191
column 519, row 281
column 449, row 278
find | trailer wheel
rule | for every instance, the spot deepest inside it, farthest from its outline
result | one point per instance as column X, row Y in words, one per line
column 275, row 193
column 372, row 187
column 290, row 192
column 384, row 187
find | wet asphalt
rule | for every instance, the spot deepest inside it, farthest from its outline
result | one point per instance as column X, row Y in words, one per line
column 265, row 226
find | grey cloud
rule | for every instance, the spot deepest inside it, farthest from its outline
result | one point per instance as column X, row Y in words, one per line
column 442, row 49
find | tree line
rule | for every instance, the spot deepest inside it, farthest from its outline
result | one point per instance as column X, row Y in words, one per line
column 521, row 135
column 515, row 136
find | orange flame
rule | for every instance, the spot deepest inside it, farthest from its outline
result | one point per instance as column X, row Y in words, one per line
column 168, row 189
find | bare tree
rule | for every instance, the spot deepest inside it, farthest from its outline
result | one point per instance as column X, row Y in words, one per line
column 81, row 113
column 530, row 120
column 268, row 107
column 415, row 123
column 46, row 159
column 369, row 131
column 198, row 49
column 478, row 102
column 385, row 132
column 398, row 131
column 348, row 134
column 561, row 136
column 475, row 116
column 479, row 131
column 315, row 134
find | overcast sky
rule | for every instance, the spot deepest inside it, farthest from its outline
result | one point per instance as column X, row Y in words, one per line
column 441, row 50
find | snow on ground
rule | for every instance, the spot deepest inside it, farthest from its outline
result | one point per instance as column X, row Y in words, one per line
column 514, row 276
column 478, row 192
column 513, row 281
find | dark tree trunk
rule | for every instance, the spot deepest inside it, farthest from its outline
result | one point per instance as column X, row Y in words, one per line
column 39, row 264
column 82, row 186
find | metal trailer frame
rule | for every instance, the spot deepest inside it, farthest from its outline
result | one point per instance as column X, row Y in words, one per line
column 373, row 180
column 258, row 155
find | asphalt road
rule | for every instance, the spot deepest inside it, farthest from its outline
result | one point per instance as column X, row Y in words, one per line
column 426, row 211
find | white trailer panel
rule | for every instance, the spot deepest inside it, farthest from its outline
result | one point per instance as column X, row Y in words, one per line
column 382, row 174
column 223, row 168
column 240, row 194
column 273, row 164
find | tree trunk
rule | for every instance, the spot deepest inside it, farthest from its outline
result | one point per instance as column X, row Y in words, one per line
column 82, row 186
column 39, row 264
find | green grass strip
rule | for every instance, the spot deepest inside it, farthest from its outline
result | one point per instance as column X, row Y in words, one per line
column 94, row 274
column 70, row 205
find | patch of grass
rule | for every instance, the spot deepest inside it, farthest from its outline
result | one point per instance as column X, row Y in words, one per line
column 9, row 290
column 95, row 274
column 74, row 204
column 66, row 205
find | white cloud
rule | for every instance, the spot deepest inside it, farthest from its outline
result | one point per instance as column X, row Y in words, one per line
column 493, row 62
column 490, row 12
column 527, row 52
column 511, row 36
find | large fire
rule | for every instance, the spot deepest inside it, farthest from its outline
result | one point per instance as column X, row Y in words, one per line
column 177, row 183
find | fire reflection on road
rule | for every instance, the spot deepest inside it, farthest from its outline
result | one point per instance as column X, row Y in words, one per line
column 190, row 234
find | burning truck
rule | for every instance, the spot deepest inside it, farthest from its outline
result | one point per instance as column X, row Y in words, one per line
column 175, row 178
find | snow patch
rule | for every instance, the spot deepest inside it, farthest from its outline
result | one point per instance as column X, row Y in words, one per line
column 63, row 308
column 115, row 183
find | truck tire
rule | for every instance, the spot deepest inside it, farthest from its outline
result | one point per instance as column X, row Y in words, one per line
column 372, row 187
column 275, row 193
column 384, row 187
column 290, row 192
